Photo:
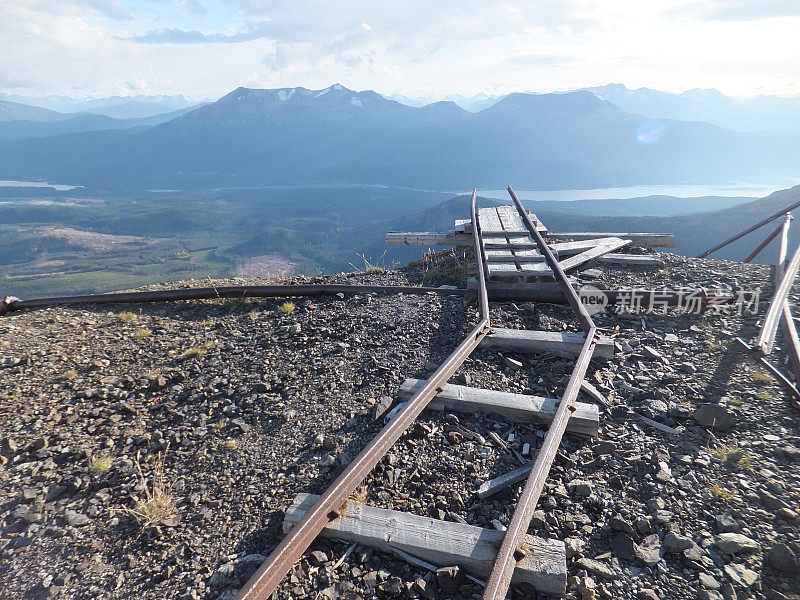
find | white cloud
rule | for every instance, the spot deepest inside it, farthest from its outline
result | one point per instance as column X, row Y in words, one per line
column 207, row 47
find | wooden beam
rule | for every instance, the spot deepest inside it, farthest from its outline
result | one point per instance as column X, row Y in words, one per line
column 512, row 255
column 559, row 342
column 565, row 248
column 460, row 239
column 427, row 238
column 647, row 240
column 527, row 269
column 442, row 543
column 591, row 254
column 591, row 391
column 585, row 420
column 501, row 482
column 634, row 260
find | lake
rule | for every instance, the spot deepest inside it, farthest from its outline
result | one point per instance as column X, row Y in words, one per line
column 60, row 187
column 687, row 190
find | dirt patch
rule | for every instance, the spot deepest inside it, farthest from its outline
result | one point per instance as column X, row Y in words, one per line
column 266, row 265
column 92, row 240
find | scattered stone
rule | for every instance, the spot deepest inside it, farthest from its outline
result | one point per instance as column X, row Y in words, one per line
column 76, row 519
column 450, row 579
column 740, row 575
column 708, row 581
column 595, row 566
column 317, row 558
column 715, row 417
column 581, row 488
column 677, row 543
column 782, row 558
column 733, row 543
column 726, row 523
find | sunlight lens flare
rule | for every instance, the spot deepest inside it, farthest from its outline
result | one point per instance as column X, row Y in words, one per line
column 650, row 131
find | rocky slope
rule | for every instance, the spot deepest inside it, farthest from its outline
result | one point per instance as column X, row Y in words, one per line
column 240, row 405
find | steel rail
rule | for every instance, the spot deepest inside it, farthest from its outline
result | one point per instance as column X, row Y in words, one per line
column 511, row 549
column 787, row 325
column 766, row 337
column 552, row 262
column 216, row 292
column 550, row 293
column 750, row 229
column 264, row 582
column 763, row 244
column 776, row 372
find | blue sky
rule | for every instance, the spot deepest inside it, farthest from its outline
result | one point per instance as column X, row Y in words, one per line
column 205, row 48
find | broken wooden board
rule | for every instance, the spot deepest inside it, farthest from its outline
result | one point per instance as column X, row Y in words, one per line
column 527, row 341
column 585, row 420
column 501, row 482
column 591, row 254
column 459, row 239
column 442, row 543
column 567, row 248
column 645, row 240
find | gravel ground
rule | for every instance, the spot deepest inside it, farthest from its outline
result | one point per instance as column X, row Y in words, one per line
column 231, row 408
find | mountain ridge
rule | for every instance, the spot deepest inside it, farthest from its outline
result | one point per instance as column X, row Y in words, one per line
column 336, row 135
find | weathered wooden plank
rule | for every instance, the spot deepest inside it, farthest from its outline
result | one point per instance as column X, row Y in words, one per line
column 566, row 248
column 442, row 543
column 591, row 254
column 564, row 342
column 588, row 389
column 422, row 238
column 636, row 260
column 489, row 221
column 646, row 240
column 529, row 269
column 501, row 482
column 504, row 245
column 427, row 238
column 506, row 255
column 585, row 420
column 465, row 225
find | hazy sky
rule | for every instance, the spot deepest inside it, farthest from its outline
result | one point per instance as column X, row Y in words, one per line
column 205, row 48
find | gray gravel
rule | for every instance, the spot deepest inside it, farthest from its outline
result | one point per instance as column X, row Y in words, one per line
column 245, row 406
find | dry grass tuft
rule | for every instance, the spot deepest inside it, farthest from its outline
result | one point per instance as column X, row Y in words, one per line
column 143, row 333
column 193, row 352
column 100, row 464
column 157, row 503
column 126, row 317
column 720, row 492
column 287, row 308
column 760, row 377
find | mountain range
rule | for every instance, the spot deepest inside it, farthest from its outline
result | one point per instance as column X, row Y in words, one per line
column 20, row 121
column 253, row 137
column 118, row 107
column 761, row 113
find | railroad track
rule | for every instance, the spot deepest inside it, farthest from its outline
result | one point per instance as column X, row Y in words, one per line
column 513, row 549
column 510, row 247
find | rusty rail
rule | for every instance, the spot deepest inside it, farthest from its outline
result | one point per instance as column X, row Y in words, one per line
column 264, row 582
column 769, row 328
column 551, row 293
column 741, row 234
column 511, row 550
column 764, row 244
column 787, row 325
